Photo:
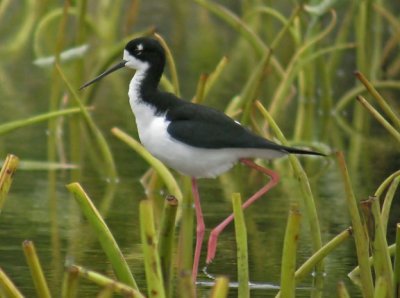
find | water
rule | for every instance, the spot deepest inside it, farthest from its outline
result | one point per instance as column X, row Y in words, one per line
column 26, row 215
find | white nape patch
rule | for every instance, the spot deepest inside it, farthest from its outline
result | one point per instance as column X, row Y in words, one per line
column 140, row 47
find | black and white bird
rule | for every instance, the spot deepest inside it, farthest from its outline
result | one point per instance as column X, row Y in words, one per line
column 196, row 140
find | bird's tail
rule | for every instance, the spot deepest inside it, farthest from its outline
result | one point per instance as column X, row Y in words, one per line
column 302, row 151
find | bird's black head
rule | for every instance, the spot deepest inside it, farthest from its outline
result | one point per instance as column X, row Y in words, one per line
column 140, row 54
column 144, row 52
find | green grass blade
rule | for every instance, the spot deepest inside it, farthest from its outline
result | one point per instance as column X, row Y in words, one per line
column 288, row 284
column 379, row 99
column 6, row 176
column 360, row 237
column 308, row 266
column 32, row 259
column 221, row 288
column 70, row 283
column 387, row 203
column 152, row 265
column 104, row 235
column 396, row 277
column 104, row 281
column 311, row 211
column 342, row 291
column 394, row 132
column 382, row 263
column 7, row 287
column 171, row 63
column 241, row 244
column 13, row 125
column 166, row 241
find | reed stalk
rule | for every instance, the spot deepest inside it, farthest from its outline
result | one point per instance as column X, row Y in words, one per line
column 387, row 203
column 32, row 259
column 348, row 97
column 342, row 291
column 185, row 285
column 381, row 287
column 6, row 177
column 379, row 99
column 221, row 288
column 104, row 281
column 70, row 283
column 104, row 235
column 393, row 131
column 396, row 274
column 171, row 63
column 288, row 282
column 360, row 237
column 107, row 292
column 166, row 242
column 310, row 208
column 7, row 287
column 241, row 244
column 382, row 263
column 17, row 124
column 152, row 264
column 308, row 266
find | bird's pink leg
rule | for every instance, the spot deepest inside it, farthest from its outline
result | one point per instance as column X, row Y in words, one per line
column 212, row 241
column 200, row 227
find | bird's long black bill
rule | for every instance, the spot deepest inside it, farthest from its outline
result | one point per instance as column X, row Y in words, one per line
column 107, row 72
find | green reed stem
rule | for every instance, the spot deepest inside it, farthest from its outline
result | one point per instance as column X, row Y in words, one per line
column 360, row 237
column 200, row 89
column 241, row 244
column 381, row 287
column 70, row 283
column 171, row 63
column 382, row 263
column 7, row 286
column 6, row 177
column 396, row 275
column 104, row 281
column 349, row 96
column 162, row 170
column 342, row 291
column 379, row 99
column 221, row 288
column 186, row 285
column 152, row 264
column 98, row 136
column 213, row 76
column 13, row 125
column 107, row 292
column 308, row 266
column 394, row 132
column 288, row 282
column 104, row 235
column 166, row 241
column 32, row 259
column 387, row 203
column 311, row 211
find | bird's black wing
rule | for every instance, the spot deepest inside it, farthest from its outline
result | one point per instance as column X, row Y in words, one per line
column 204, row 127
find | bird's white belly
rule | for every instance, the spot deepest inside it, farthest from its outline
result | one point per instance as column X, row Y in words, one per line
column 192, row 161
